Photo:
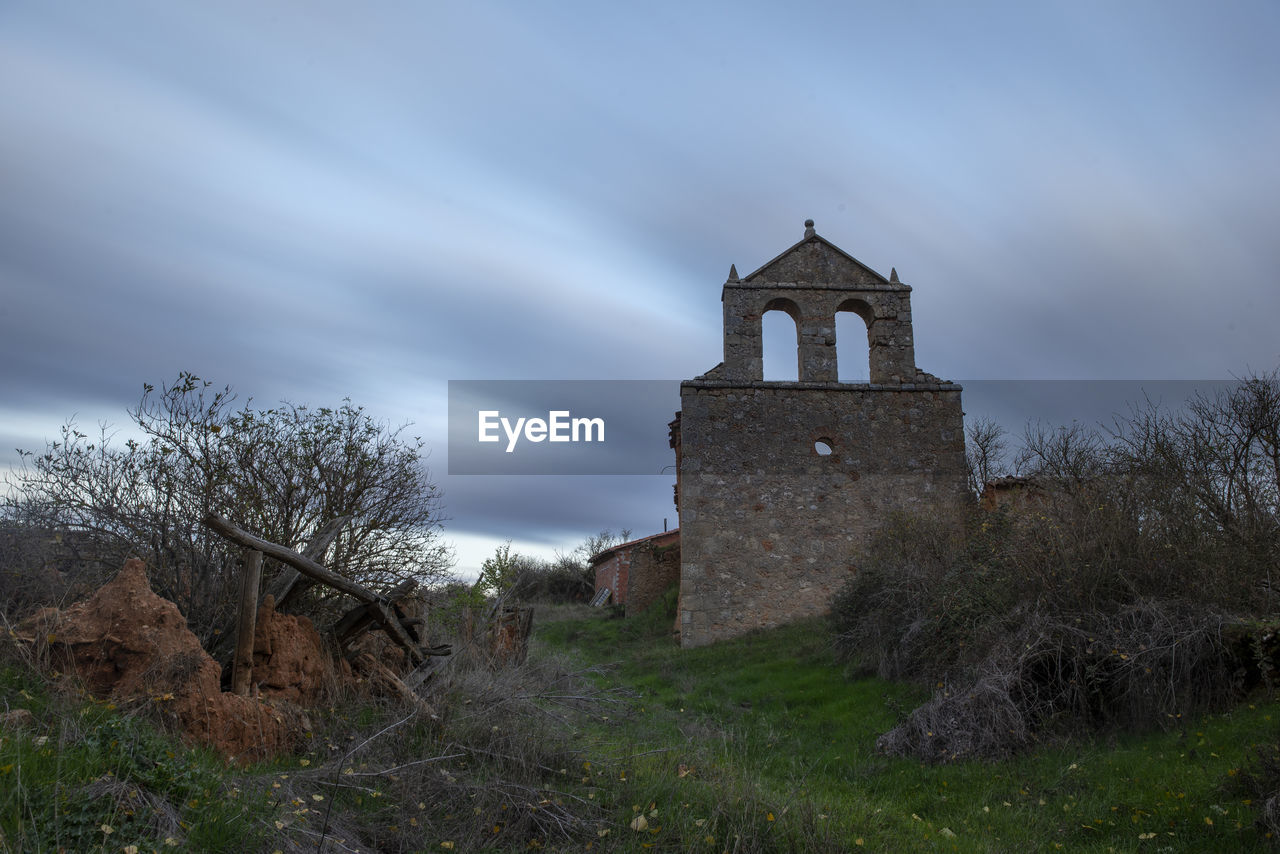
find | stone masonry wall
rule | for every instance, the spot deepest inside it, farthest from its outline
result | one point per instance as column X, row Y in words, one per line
column 778, row 484
column 769, row 526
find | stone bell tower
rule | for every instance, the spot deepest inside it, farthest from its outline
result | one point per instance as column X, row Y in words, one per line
column 779, row 482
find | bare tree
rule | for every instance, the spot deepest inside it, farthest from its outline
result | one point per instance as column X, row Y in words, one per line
column 1208, row 477
column 1063, row 458
column 984, row 453
column 593, row 544
column 282, row 473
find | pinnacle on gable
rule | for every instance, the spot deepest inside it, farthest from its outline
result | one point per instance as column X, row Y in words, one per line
column 808, row 228
column 733, row 273
column 893, row 274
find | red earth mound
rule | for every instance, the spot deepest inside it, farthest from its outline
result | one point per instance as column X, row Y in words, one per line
column 128, row 644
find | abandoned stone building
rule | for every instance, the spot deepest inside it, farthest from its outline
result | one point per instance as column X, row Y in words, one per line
column 779, row 482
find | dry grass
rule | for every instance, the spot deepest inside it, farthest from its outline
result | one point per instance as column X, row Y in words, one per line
column 491, row 769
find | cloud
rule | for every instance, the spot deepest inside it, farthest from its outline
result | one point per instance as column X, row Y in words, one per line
column 312, row 201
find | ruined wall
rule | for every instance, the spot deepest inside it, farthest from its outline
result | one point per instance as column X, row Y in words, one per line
column 613, row 572
column 637, row 567
column 769, row 526
column 654, row 569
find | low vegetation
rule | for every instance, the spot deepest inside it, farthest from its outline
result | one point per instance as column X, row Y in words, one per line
column 1126, row 583
column 611, row 738
column 770, row 719
column 1090, row 667
column 83, row 775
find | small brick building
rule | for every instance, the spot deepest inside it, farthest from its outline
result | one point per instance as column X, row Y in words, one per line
column 638, row 572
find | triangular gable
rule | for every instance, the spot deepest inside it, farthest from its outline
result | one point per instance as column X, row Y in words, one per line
column 816, row 260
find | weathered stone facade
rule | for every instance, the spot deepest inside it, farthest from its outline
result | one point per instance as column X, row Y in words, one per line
column 778, row 482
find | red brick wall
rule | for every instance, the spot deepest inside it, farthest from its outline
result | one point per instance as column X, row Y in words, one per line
column 655, row 567
column 616, row 570
column 612, row 573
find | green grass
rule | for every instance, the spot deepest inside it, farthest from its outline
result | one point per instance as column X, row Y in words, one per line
column 86, row 777
column 783, row 751
column 758, row 744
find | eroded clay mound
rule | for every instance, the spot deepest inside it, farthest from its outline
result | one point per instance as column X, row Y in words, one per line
column 289, row 660
column 128, row 644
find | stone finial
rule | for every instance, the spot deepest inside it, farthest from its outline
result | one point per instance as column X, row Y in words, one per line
column 733, row 273
column 808, row 228
column 893, row 274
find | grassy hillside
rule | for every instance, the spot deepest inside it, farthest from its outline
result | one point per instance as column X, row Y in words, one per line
column 782, row 748
column 755, row 745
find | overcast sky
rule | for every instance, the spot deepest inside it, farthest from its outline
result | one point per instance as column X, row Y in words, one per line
column 311, row 200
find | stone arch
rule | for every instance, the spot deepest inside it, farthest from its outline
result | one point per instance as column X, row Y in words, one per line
column 775, row 341
column 853, row 320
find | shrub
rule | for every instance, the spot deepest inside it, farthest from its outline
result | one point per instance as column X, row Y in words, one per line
column 1259, row 781
column 882, row 616
column 1097, row 599
column 284, row 474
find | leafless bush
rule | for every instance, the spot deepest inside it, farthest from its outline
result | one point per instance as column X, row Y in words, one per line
column 1144, row 665
column 985, row 448
column 882, row 617
column 283, row 474
column 29, row 573
column 980, row 721
column 1096, row 599
column 1208, row 482
column 563, row 580
column 567, row 578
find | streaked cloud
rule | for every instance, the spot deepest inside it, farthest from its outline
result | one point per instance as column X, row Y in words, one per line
column 317, row 200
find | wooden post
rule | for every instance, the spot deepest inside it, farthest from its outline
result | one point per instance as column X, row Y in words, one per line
column 286, row 585
column 246, row 623
column 309, row 567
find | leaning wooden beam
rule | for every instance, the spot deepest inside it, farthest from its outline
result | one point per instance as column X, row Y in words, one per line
column 291, row 583
column 287, row 585
column 310, row 568
column 392, row 627
column 286, row 555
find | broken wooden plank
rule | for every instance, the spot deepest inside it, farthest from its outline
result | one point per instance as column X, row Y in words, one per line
column 359, row 618
column 382, row 676
column 314, row 570
column 291, row 583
